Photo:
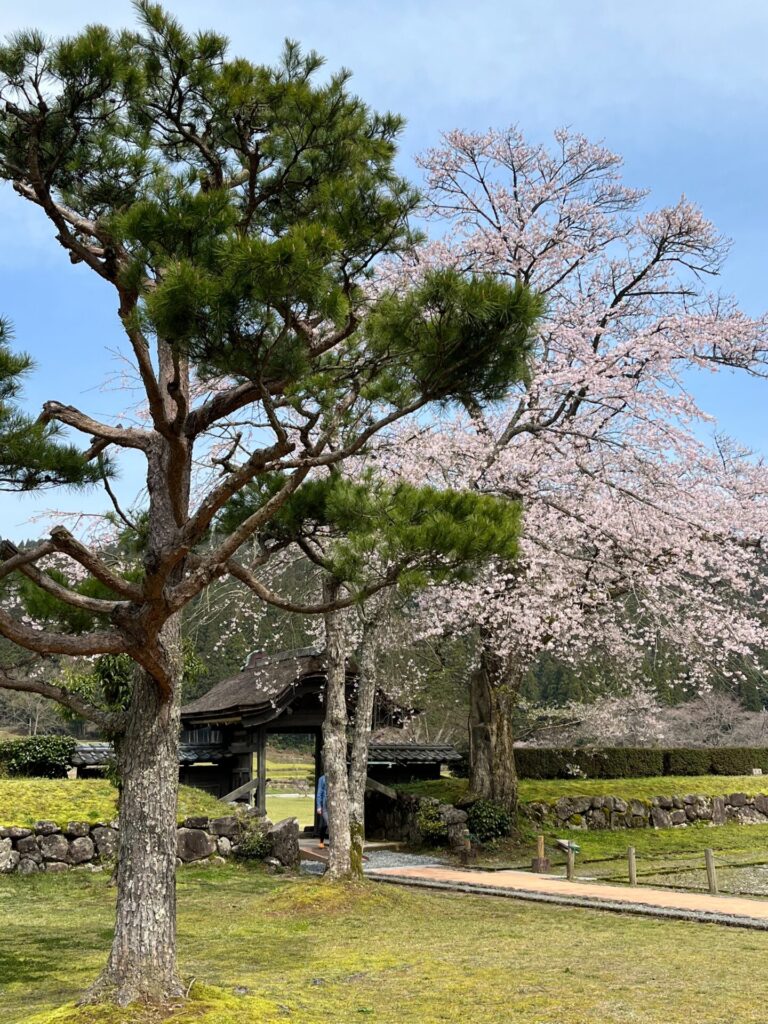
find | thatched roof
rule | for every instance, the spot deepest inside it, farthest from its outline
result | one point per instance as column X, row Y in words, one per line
column 265, row 686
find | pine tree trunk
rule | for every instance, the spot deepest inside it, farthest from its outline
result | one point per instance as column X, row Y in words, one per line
column 361, row 738
column 335, row 742
column 142, row 961
column 494, row 689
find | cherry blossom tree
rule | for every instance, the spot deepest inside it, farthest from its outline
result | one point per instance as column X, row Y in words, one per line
column 637, row 524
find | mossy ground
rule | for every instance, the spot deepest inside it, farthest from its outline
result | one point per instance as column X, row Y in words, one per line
column 25, row 801
column 550, row 790
column 264, row 950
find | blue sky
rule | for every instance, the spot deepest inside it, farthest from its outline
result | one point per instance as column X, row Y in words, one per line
column 680, row 88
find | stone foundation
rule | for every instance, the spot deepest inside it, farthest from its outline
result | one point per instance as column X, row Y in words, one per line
column 84, row 846
column 612, row 812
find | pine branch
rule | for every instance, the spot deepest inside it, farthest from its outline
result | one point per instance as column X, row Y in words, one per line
column 83, row 225
column 111, row 722
column 21, row 558
column 220, row 406
column 257, row 463
column 123, row 436
column 143, row 361
column 245, row 576
column 112, row 496
column 42, row 642
column 63, row 541
column 95, row 605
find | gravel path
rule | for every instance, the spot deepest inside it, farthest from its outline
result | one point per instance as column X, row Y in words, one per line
column 379, row 859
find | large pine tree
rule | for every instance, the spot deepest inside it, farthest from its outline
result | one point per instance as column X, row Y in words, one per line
column 236, row 211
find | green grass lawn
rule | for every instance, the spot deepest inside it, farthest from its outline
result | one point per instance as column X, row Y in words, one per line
column 301, row 807
column 25, row 801
column 643, row 789
column 665, row 857
column 550, row 790
column 670, row 857
column 263, row 950
column 650, row 843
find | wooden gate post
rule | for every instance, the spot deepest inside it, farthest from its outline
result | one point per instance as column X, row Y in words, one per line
column 540, row 862
column 709, row 858
column 632, row 865
column 261, row 769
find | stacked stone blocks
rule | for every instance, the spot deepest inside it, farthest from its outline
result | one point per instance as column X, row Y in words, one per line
column 81, row 845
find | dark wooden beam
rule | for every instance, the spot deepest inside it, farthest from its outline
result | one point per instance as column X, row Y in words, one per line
column 242, row 790
column 261, row 770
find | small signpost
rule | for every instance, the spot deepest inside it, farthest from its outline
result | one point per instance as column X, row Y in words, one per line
column 570, row 864
column 571, row 849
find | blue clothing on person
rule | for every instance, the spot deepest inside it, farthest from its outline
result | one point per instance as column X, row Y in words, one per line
column 322, row 796
column 321, row 806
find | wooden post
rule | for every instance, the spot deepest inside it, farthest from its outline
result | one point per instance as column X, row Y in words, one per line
column 632, row 865
column 540, row 862
column 709, row 858
column 465, row 849
column 261, row 753
column 570, row 865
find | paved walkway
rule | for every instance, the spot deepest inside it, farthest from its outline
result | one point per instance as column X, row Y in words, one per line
column 732, row 910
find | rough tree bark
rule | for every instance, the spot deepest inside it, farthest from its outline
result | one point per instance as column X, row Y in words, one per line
column 335, row 740
column 494, row 689
column 361, row 738
column 142, row 961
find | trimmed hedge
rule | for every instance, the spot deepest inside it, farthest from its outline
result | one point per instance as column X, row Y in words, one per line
column 46, row 757
column 737, row 760
column 637, row 762
column 688, row 762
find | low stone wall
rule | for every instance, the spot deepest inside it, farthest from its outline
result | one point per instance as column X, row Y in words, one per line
column 396, row 817
column 84, row 846
column 612, row 812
